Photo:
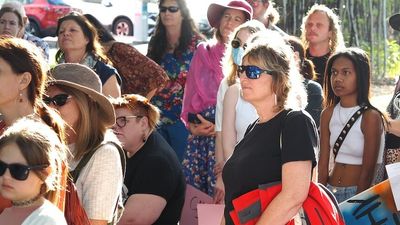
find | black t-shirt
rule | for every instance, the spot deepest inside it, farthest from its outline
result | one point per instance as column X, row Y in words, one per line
column 258, row 158
column 320, row 64
column 155, row 170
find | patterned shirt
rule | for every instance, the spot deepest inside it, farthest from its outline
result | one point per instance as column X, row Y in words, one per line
column 39, row 43
column 169, row 98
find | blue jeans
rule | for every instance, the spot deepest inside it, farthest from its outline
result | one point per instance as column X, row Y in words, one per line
column 176, row 135
column 342, row 193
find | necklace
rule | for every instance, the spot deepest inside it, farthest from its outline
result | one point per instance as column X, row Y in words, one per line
column 348, row 112
column 26, row 203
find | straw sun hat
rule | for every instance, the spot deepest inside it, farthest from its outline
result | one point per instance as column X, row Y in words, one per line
column 84, row 79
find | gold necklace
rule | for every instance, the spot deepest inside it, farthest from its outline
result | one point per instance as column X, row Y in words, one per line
column 26, row 203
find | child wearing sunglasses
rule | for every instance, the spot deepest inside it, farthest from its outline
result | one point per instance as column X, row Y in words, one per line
column 31, row 155
column 22, row 85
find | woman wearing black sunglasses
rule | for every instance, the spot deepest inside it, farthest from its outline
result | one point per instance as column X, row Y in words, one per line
column 22, row 84
column 280, row 145
column 75, row 91
column 30, row 156
column 153, row 173
column 172, row 46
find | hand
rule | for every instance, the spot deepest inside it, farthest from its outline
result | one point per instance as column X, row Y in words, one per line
column 219, row 191
column 204, row 128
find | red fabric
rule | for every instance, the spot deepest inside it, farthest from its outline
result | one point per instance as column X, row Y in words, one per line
column 74, row 212
column 318, row 206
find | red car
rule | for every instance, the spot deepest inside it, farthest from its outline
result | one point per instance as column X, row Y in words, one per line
column 43, row 15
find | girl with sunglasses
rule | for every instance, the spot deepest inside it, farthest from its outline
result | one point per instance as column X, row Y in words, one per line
column 346, row 89
column 280, row 146
column 172, row 46
column 153, row 173
column 22, row 84
column 75, row 92
column 31, row 153
column 232, row 112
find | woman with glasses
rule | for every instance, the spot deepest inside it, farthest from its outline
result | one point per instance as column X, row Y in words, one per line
column 75, row 92
column 233, row 114
column 78, row 41
column 172, row 45
column 22, row 83
column 31, row 153
column 200, row 97
column 279, row 146
column 153, row 174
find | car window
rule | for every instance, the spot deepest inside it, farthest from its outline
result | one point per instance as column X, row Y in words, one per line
column 57, row 2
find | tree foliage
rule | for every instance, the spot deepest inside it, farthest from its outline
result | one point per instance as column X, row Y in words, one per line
column 364, row 24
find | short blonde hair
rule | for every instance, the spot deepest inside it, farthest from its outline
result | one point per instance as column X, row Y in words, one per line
column 270, row 51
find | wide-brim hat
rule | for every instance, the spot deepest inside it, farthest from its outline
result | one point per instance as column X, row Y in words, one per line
column 216, row 10
column 394, row 21
column 84, row 79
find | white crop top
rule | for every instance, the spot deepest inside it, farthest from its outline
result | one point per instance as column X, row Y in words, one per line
column 351, row 151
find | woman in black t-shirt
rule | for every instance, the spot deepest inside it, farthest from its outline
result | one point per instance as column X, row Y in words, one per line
column 280, row 145
column 154, row 178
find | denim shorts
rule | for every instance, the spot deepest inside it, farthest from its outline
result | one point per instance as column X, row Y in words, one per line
column 342, row 193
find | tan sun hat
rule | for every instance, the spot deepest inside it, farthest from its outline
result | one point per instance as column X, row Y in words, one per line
column 84, row 79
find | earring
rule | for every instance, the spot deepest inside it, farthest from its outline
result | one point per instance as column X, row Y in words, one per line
column 144, row 139
column 276, row 99
column 20, row 97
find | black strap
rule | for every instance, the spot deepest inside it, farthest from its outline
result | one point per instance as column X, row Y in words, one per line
column 339, row 141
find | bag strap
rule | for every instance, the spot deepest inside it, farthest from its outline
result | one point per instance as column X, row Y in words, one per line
column 339, row 141
column 85, row 159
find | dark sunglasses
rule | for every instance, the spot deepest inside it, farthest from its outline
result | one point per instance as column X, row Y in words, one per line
column 123, row 120
column 252, row 72
column 19, row 171
column 171, row 9
column 57, row 100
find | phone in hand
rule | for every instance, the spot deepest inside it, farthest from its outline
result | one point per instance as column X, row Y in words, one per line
column 192, row 118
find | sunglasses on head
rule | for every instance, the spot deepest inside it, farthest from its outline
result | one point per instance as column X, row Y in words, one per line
column 252, row 72
column 121, row 121
column 57, row 100
column 19, row 171
column 171, row 9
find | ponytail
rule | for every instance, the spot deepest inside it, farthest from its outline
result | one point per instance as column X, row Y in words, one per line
column 307, row 69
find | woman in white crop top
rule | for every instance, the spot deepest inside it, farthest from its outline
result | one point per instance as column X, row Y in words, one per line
column 346, row 84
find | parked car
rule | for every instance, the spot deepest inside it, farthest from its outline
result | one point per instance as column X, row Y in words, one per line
column 43, row 15
column 116, row 15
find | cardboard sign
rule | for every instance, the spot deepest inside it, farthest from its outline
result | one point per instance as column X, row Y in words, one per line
column 210, row 214
column 192, row 198
column 393, row 171
column 373, row 206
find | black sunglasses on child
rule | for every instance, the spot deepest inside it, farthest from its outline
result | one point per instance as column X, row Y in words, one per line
column 171, row 9
column 57, row 100
column 19, row 171
column 252, row 72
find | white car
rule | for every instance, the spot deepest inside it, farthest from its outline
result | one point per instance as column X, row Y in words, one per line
column 117, row 15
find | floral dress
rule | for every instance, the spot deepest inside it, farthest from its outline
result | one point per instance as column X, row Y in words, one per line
column 169, row 98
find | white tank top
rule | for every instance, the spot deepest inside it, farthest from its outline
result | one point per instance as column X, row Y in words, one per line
column 351, row 151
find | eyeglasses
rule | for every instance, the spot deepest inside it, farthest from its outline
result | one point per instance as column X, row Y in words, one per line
column 19, row 171
column 57, row 100
column 252, row 72
column 171, row 9
column 121, row 121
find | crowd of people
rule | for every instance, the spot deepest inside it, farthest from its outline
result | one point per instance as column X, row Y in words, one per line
column 250, row 106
